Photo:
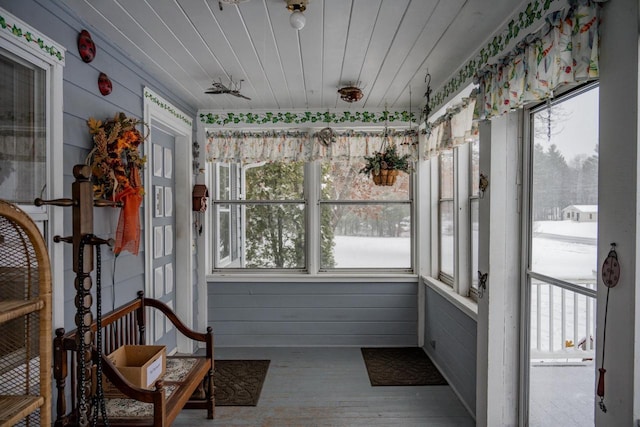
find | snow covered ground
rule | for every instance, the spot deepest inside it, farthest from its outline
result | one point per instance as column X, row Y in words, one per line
column 559, row 250
column 372, row 252
column 567, row 228
column 565, row 249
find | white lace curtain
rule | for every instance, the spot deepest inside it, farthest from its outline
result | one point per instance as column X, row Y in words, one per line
column 272, row 146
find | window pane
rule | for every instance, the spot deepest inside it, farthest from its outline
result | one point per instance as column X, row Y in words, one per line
column 367, row 236
column 565, row 189
column 474, row 242
column 224, row 238
column 446, row 174
column 475, row 166
column 22, row 130
column 275, row 181
column 275, row 236
column 342, row 181
column 223, row 182
column 446, row 238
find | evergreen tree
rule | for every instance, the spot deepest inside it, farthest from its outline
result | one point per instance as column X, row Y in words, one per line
column 275, row 233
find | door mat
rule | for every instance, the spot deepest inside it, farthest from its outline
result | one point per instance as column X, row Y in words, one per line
column 400, row 366
column 239, row 382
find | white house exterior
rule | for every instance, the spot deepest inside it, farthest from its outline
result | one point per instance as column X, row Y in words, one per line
column 581, row 213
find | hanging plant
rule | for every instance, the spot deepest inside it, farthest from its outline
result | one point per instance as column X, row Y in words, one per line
column 385, row 164
column 115, row 163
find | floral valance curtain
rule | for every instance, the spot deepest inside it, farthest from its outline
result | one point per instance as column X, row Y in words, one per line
column 564, row 51
column 252, row 147
column 455, row 127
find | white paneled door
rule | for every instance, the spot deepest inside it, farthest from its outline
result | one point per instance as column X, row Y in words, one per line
column 163, row 233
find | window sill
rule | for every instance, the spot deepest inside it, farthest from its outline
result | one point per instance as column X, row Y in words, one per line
column 280, row 278
column 465, row 304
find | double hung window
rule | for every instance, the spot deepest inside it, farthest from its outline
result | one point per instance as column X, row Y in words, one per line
column 458, row 225
column 314, row 217
column 446, row 218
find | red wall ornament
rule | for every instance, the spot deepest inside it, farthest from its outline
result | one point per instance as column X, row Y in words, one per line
column 86, row 46
column 104, row 84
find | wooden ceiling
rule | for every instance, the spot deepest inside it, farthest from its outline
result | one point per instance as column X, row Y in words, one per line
column 386, row 47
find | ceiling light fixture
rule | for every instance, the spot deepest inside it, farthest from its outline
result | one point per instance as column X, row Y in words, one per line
column 296, row 7
column 350, row 93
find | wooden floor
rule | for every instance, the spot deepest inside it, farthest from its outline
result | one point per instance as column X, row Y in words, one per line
column 329, row 387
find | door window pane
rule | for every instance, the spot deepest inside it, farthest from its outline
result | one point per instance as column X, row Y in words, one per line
column 564, row 206
column 563, row 238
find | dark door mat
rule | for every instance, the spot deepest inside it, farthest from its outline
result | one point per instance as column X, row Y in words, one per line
column 400, row 366
column 239, row 382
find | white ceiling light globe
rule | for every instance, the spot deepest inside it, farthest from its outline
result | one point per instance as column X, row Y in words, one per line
column 297, row 20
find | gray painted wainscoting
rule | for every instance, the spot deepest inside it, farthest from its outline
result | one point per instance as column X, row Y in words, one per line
column 450, row 341
column 258, row 314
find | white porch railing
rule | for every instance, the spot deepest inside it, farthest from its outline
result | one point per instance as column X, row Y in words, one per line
column 562, row 322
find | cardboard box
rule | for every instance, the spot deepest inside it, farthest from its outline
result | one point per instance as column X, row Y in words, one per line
column 141, row 365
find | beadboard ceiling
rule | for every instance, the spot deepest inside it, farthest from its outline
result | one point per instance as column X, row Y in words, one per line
column 385, row 47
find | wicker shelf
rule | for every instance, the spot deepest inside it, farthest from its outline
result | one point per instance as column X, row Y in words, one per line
column 12, row 309
column 25, row 321
column 15, row 408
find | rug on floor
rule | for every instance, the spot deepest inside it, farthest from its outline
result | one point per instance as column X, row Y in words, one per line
column 400, row 366
column 239, row 382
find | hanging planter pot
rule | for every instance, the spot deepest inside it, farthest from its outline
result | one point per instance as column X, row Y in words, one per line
column 385, row 177
column 385, row 164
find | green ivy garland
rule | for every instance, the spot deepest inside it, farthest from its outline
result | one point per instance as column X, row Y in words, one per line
column 167, row 107
column 28, row 36
column 306, row 117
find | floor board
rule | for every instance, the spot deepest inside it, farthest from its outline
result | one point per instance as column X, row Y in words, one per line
column 330, row 387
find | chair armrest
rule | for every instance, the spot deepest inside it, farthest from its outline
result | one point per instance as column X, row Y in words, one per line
column 188, row 332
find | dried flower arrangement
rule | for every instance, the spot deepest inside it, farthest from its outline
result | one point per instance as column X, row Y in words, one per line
column 116, row 163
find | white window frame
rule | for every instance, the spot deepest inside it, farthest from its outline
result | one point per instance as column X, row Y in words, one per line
column 449, row 279
column 40, row 55
column 219, row 260
column 473, row 273
column 461, row 280
column 312, row 202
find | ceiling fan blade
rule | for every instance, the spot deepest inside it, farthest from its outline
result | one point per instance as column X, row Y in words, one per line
column 239, row 95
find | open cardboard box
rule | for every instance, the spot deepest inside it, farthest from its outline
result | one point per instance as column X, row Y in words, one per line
column 141, row 365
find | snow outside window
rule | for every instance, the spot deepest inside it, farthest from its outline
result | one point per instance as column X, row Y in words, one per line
column 277, row 216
